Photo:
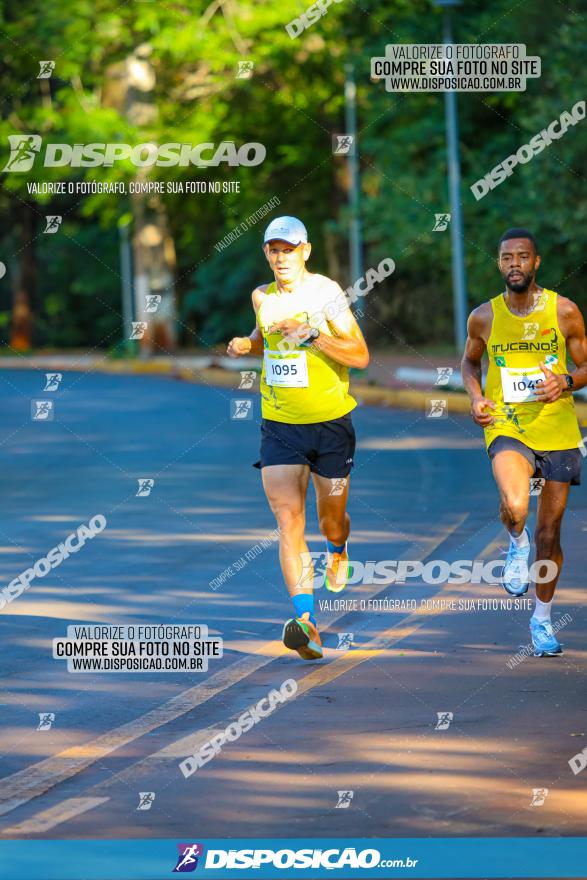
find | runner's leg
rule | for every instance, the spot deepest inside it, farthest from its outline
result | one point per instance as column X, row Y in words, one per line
column 335, row 523
column 285, row 487
column 552, row 502
column 512, row 472
column 551, row 507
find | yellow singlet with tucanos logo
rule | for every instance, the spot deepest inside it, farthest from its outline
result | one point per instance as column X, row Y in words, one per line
column 515, row 348
column 299, row 384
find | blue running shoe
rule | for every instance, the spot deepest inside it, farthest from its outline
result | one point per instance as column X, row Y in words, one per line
column 515, row 577
column 544, row 640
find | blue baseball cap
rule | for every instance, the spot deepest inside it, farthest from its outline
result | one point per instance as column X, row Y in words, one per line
column 288, row 229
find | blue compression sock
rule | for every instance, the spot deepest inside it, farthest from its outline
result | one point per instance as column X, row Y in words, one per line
column 333, row 548
column 304, row 602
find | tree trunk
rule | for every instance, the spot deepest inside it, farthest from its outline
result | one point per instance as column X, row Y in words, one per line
column 21, row 330
column 130, row 89
column 154, row 272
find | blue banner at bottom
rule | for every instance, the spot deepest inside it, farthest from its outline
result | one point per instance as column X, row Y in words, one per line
column 305, row 858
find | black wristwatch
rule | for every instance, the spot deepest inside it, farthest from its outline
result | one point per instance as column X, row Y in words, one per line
column 570, row 381
column 312, row 336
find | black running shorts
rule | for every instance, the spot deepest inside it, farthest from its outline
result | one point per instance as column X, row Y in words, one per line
column 327, row 447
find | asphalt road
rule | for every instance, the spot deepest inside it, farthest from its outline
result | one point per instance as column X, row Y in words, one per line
column 363, row 720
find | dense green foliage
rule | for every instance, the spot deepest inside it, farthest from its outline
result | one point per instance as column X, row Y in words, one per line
column 292, row 104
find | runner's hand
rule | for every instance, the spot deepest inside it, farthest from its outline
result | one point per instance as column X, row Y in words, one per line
column 482, row 418
column 551, row 389
column 292, row 328
column 239, row 346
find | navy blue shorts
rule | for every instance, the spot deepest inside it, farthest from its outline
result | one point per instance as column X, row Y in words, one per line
column 559, row 466
column 327, row 447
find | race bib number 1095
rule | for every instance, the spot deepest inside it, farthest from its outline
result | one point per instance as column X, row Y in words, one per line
column 286, row 370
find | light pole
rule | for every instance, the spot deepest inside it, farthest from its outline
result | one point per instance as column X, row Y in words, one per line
column 350, row 106
column 126, row 279
column 454, row 184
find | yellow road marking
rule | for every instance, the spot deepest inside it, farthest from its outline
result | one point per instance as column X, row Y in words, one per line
column 318, row 677
column 33, row 781
column 48, row 819
column 323, row 675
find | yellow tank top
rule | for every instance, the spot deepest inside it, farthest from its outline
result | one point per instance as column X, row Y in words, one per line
column 301, row 385
column 515, row 348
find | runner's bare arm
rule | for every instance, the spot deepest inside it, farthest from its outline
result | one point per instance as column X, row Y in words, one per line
column 475, row 347
column 252, row 344
column 347, row 345
column 573, row 327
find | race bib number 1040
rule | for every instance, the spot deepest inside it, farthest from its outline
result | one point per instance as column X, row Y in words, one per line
column 520, row 384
